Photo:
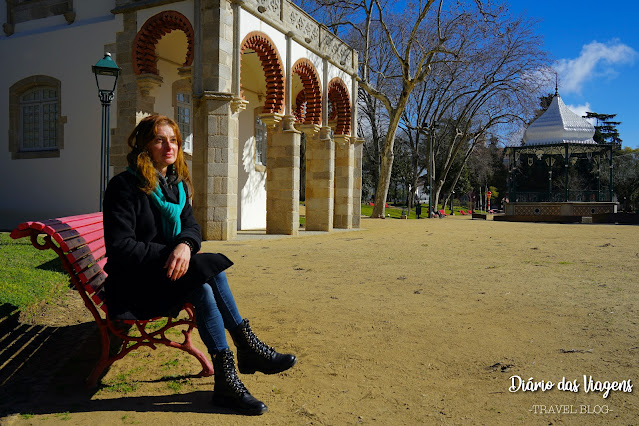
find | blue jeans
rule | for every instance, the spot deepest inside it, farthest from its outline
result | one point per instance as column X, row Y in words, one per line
column 215, row 309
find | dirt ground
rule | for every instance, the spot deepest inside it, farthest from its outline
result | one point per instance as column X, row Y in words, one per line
column 402, row 322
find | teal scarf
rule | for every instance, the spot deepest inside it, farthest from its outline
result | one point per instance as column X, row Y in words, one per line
column 170, row 212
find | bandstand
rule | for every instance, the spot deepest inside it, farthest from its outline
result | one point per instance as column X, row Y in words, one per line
column 559, row 171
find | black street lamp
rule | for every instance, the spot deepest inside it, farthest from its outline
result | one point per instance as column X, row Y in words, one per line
column 106, row 77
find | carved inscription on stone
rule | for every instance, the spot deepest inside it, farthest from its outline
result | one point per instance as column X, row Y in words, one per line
column 304, row 26
column 270, row 7
column 336, row 49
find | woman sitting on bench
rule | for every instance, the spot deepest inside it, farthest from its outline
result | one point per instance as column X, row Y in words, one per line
column 152, row 242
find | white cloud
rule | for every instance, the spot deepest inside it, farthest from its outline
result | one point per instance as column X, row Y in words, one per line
column 596, row 60
column 580, row 110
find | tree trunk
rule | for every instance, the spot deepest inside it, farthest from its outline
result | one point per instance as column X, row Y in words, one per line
column 382, row 185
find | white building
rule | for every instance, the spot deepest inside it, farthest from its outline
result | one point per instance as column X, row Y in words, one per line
column 243, row 78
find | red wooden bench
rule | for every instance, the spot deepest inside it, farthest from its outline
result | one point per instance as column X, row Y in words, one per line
column 79, row 242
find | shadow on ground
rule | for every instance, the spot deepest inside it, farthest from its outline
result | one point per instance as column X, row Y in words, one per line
column 43, row 371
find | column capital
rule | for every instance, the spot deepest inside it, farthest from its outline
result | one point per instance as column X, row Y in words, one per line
column 342, row 141
column 310, row 130
column 325, row 132
column 146, row 82
column 271, row 119
column 288, row 124
column 238, row 105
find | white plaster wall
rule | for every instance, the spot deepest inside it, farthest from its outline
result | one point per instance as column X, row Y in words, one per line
column 164, row 93
column 249, row 23
column 251, row 201
column 67, row 185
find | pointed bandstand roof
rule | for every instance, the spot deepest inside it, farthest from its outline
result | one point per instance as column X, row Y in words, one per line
column 559, row 125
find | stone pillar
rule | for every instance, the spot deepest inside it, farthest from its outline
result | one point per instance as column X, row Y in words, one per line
column 344, row 163
column 128, row 98
column 358, row 145
column 215, row 164
column 320, row 177
column 282, row 177
column 215, row 128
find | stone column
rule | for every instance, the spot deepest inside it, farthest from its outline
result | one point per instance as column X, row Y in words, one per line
column 129, row 99
column 215, row 128
column 215, row 164
column 344, row 163
column 282, row 177
column 320, row 177
column 358, row 145
column 357, row 152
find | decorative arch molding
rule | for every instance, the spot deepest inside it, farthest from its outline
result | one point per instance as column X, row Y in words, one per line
column 273, row 70
column 340, row 100
column 308, row 102
column 144, row 57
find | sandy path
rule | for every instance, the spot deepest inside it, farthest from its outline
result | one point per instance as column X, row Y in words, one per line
column 411, row 322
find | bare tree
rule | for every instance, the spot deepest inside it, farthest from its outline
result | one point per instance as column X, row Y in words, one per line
column 487, row 86
column 472, row 64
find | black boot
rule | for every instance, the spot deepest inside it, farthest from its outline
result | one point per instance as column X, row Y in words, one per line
column 253, row 355
column 229, row 391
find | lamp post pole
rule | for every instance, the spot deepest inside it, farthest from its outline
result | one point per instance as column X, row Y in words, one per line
column 105, row 141
column 106, row 71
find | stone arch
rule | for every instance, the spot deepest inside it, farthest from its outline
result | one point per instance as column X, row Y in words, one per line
column 308, row 109
column 300, row 107
column 340, row 100
column 144, row 57
column 273, row 70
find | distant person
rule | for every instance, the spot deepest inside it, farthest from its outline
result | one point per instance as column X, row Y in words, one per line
column 418, row 210
column 152, row 244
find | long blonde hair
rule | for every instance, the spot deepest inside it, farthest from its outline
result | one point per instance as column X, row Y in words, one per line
column 140, row 160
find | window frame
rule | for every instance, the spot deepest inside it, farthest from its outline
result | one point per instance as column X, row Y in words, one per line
column 16, row 92
column 260, row 166
column 179, row 87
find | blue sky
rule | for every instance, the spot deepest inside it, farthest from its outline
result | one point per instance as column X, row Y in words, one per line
column 596, row 48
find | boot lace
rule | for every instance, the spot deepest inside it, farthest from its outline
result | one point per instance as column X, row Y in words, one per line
column 232, row 380
column 256, row 344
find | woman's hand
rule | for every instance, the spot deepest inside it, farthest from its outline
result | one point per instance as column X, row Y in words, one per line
column 178, row 262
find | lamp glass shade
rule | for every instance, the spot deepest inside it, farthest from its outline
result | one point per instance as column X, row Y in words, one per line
column 106, row 73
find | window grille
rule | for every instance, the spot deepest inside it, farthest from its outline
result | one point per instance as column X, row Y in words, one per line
column 38, row 115
column 184, row 118
column 260, row 141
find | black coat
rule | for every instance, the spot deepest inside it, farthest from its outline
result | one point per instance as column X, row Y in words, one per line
column 137, row 286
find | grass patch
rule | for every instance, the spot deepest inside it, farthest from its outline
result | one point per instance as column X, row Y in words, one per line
column 29, row 276
column 63, row 416
column 176, row 383
column 171, row 364
column 394, row 211
column 122, row 382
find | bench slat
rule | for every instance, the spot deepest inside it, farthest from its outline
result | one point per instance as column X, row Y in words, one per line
column 95, row 284
column 69, row 245
column 61, row 236
column 92, row 271
column 87, row 261
column 93, row 247
column 62, row 223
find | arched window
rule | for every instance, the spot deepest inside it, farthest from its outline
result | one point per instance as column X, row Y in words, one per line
column 184, row 118
column 260, row 141
column 183, row 112
column 35, row 124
